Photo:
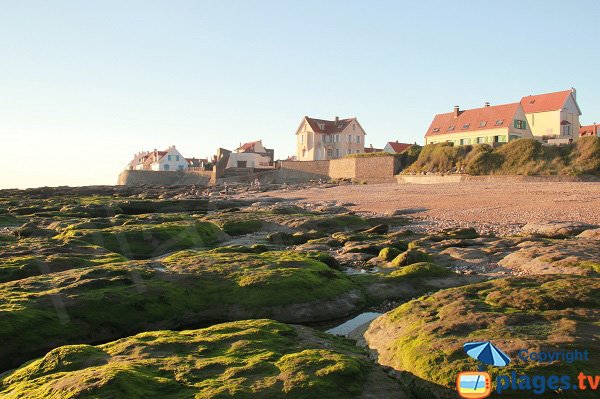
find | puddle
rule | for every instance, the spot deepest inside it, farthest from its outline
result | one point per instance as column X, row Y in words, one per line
column 354, row 270
column 350, row 325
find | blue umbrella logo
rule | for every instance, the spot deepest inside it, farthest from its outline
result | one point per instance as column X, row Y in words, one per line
column 486, row 353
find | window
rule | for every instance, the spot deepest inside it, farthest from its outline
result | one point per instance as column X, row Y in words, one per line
column 166, row 167
column 499, row 122
column 451, row 127
column 436, row 129
column 482, row 123
column 329, row 153
column 481, row 140
column 177, row 157
column 519, row 124
column 465, row 141
column 168, row 157
column 322, row 126
column 349, row 151
column 323, row 138
column 358, row 139
column 466, row 125
column 566, row 130
column 180, row 167
column 337, row 152
column 337, row 138
column 349, row 138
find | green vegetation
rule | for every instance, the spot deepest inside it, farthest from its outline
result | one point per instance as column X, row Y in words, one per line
column 518, row 157
column 110, row 301
column 138, row 241
column 550, row 312
column 389, row 253
column 409, row 257
column 421, row 270
column 244, row 359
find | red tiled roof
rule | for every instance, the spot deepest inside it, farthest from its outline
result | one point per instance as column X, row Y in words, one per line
column 328, row 127
column 398, row 147
column 589, row 130
column 545, row 102
column 474, row 119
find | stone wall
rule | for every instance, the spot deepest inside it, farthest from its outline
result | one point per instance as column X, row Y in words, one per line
column 368, row 169
column 297, row 171
column 162, row 178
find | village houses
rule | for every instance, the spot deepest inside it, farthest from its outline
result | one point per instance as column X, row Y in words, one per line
column 552, row 118
column 168, row 160
column 319, row 139
column 252, row 155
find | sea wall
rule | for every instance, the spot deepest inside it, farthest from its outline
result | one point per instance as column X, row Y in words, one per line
column 457, row 178
column 368, row 169
column 298, row 171
column 163, row 178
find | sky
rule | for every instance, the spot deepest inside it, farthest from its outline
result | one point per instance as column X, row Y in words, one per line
column 86, row 84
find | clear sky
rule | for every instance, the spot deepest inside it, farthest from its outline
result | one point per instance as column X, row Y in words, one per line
column 86, row 84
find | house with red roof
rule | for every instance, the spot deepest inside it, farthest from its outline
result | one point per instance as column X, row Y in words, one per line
column 320, row 139
column 553, row 117
column 251, row 155
column 168, row 160
column 394, row 147
column 488, row 124
column 589, row 130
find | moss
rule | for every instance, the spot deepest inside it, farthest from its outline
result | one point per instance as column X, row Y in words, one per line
column 421, row 269
column 146, row 241
column 241, row 227
column 389, row 253
column 515, row 313
column 409, row 257
column 110, row 301
column 9, row 220
column 245, row 359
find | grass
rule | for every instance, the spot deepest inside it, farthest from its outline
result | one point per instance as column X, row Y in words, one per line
column 245, row 359
column 517, row 157
column 110, row 301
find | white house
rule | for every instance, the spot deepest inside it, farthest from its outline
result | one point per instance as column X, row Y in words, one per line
column 251, row 155
column 168, row 160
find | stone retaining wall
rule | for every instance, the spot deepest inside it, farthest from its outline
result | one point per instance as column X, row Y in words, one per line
column 437, row 179
column 162, row 178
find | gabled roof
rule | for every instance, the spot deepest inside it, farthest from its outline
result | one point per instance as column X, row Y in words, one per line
column 250, row 147
column 545, row 102
column 589, row 130
column 328, row 127
column 474, row 119
column 398, row 147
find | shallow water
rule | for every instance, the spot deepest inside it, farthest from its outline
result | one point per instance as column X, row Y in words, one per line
column 348, row 326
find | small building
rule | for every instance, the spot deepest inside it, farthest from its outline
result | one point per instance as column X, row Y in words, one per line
column 252, row 155
column 488, row 124
column 553, row 117
column 588, row 130
column 168, row 160
column 394, row 147
column 320, row 139
column 370, row 149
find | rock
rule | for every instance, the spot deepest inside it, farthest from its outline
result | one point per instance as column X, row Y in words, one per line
column 409, row 257
column 555, row 229
column 388, row 253
column 33, row 230
column 592, row 234
column 379, row 229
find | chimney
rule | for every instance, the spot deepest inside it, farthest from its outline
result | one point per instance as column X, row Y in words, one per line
column 337, row 119
column 370, row 145
column 456, row 111
column 574, row 92
column 486, row 104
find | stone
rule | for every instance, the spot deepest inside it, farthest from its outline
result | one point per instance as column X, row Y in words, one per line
column 555, row 229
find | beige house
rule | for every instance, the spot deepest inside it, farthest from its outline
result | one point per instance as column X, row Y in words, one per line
column 489, row 124
column 553, row 117
column 252, row 155
column 319, row 139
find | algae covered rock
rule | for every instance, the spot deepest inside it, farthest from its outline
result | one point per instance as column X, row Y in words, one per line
column 244, row 359
column 423, row 338
column 105, row 302
column 409, row 257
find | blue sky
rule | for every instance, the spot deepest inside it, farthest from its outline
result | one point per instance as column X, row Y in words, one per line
column 84, row 84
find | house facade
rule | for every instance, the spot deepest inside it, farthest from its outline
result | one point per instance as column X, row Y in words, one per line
column 489, row 124
column 394, row 147
column 168, row 160
column 320, row 139
column 553, row 117
column 252, row 155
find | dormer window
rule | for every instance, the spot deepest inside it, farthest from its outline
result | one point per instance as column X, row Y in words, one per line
column 322, row 126
column 450, row 128
column 466, row 125
column 499, row 122
column 482, row 123
column 436, row 129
